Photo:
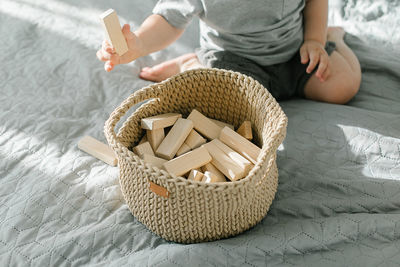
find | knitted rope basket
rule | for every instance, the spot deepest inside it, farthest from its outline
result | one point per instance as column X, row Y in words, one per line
column 197, row 211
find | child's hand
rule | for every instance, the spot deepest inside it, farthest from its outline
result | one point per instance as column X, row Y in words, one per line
column 314, row 52
column 108, row 55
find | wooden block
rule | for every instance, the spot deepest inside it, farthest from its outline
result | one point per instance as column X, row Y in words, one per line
column 222, row 124
column 153, row 160
column 224, row 163
column 195, row 140
column 210, row 177
column 98, row 150
column 142, row 149
column 113, row 31
column 188, row 161
column 183, row 149
column 245, row 130
column 155, row 137
column 160, row 121
column 144, row 139
column 240, row 144
column 195, row 175
column 174, row 139
column 211, row 168
column 235, row 156
column 204, row 125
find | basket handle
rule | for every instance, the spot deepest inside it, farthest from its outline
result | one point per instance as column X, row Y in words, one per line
column 154, row 91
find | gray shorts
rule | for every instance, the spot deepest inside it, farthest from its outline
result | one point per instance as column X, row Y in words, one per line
column 283, row 80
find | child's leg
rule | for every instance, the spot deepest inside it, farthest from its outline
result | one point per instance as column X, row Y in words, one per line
column 171, row 67
column 345, row 74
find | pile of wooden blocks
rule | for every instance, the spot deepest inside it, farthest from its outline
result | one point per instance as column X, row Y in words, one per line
column 198, row 148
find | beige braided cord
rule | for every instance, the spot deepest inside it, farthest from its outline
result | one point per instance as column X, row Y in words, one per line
column 195, row 211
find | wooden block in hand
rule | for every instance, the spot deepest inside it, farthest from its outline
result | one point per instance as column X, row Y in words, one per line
column 211, row 168
column 174, row 139
column 160, row 121
column 188, row 161
column 98, row 150
column 245, row 164
column 240, row 144
column 155, row 161
column 204, row 125
column 142, row 149
column 224, row 163
column 245, row 130
column 222, row 124
column 155, row 137
column 210, row 177
column 183, row 149
column 113, row 31
column 194, row 140
column 195, row 175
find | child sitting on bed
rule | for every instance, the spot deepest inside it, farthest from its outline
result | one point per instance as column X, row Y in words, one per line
column 285, row 45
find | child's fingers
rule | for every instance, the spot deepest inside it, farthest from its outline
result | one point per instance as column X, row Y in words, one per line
column 104, row 56
column 126, row 30
column 326, row 74
column 106, row 46
column 108, row 66
column 304, row 55
column 322, row 66
column 314, row 58
column 129, row 36
column 101, row 55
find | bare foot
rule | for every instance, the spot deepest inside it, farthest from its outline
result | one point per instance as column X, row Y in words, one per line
column 166, row 69
column 335, row 34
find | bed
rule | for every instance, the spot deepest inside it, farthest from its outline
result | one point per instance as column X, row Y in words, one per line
column 338, row 199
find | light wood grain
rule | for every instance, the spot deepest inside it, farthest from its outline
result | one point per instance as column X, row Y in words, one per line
column 98, row 150
column 240, row 144
column 174, row 139
column 113, row 31
column 188, row 161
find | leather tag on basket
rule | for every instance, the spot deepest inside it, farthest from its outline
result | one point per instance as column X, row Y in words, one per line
column 158, row 190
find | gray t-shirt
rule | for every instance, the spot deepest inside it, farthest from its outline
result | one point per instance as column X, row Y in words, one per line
column 265, row 31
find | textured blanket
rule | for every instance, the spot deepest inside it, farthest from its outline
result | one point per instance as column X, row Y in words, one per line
column 338, row 200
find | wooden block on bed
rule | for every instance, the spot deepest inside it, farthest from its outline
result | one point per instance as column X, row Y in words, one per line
column 98, row 150
column 194, row 140
column 183, row 149
column 195, row 175
column 211, row 168
column 160, row 121
column 235, row 156
column 245, row 130
column 224, row 163
column 240, row 144
column 174, row 139
column 204, row 125
column 155, row 137
column 153, row 160
column 188, row 161
column 142, row 149
column 222, row 124
column 113, row 31
column 210, row 177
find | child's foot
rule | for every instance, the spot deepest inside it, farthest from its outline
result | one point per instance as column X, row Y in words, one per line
column 166, row 69
column 335, row 34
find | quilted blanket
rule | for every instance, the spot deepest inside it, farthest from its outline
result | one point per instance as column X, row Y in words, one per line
column 338, row 199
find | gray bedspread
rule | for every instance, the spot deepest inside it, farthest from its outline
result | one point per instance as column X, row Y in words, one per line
column 338, row 200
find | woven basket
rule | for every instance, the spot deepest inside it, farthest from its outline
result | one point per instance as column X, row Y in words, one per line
column 196, row 211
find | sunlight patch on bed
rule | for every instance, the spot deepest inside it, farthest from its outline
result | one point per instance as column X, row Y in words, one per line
column 59, row 18
column 378, row 155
